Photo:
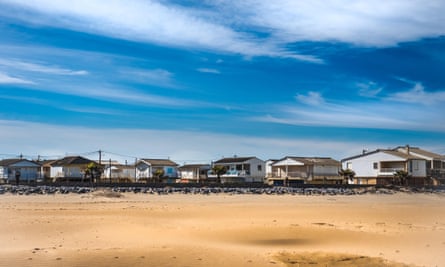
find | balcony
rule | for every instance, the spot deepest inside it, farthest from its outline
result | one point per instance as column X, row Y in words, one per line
column 294, row 174
column 390, row 171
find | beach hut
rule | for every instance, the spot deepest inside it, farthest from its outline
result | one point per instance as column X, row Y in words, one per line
column 22, row 169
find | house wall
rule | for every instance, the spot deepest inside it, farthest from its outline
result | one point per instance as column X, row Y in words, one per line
column 28, row 171
column 4, row 173
column 143, row 170
column 268, row 166
column 56, row 172
column 326, row 170
column 291, row 171
column 364, row 166
column 170, row 171
column 255, row 173
column 67, row 171
column 417, row 168
column 188, row 174
column 257, row 170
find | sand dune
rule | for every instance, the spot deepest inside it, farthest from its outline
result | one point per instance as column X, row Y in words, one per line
column 222, row 230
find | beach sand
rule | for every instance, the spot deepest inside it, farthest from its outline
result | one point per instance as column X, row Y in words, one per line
column 222, row 230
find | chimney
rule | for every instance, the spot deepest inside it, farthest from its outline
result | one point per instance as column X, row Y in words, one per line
column 407, row 149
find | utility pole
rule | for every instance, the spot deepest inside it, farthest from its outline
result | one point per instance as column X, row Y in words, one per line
column 109, row 168
column 100, row 164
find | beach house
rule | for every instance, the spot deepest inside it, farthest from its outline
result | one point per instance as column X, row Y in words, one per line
column 156, row 170
column 69, row 168
column 114, row 171
column 241, row 169
column 379, row 166
column 435, row 163
column 305, row 170
column 194, row 173
column 25, row 170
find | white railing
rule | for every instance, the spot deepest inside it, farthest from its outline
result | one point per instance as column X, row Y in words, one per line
column 391, row 170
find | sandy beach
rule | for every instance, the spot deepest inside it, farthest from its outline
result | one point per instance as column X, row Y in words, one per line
column 222, row 230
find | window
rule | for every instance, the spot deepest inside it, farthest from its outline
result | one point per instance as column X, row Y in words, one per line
column 375, row 165
column 260, row 168
column 349, row 165
column 416, row 165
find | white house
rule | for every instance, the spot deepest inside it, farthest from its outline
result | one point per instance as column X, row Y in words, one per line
column 146, row 168
column 71, row 167
column 268, row 165
column 26, row 170
column 379, row 166
column 308, row 170
column 194, row 173
column 435, row 163
column 115, row 171
column 242, row 169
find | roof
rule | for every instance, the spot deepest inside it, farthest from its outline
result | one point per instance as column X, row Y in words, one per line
column 421, row 152
column 71, row 160
column 234, row 160
column 46, row 161
column 314, row 160
column 387, row 151
column 9, row 162
column 160, row 162
column 194, row 166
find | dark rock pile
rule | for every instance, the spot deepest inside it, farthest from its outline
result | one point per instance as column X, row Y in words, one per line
column 309, row 191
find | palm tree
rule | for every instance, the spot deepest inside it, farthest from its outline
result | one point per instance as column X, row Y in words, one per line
column 158, row 174
column 219, row 170
column 93, row 170
column 401, row 177
column 347, row 174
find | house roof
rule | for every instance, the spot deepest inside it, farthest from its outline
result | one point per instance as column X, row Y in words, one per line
column 312, row 160
column 71, row 160
column 160, row 162
column 47, row 161
column 233, row 160
column 421, row 152
column 194, row 166
column 9, row 162
column 387, row 151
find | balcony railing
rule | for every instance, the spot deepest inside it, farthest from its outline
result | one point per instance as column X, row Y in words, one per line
column 295, row 174
column 391, row 170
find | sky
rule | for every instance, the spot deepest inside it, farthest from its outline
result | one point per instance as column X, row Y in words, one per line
column 198, row 80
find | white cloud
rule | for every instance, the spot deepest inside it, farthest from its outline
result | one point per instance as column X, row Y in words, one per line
column 362, row 22
column 418, row 95
column 206, row 70
column 386, row 114
column 159, row 77
column 181, row 146
column 312, row 98
column 33, row 67
column 154, row 22
column 370, row 89
column 223, row 27
column 6, row 79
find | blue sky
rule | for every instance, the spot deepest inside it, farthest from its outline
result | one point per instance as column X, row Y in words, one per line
column 199, row 80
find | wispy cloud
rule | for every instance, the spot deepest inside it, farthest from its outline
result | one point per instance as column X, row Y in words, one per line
column 312, row 98
column 167, row 24
column 206, row 70
column 159, row 77
column 418, row 95
column 362, row 22
column 389, row 113
column 369, row 89
column 6, row 79
column 42, row 68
